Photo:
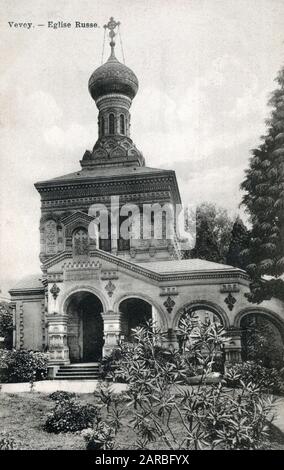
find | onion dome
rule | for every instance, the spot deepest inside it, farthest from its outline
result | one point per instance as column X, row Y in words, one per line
column 113, row 77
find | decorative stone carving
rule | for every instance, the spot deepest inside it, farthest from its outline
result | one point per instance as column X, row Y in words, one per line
column 57, row 339
column 82, row 270
column 106, row 275
column 108, row 149
column 230, row 301
column 110, row 288
column 171, row 290
column 226, row 288
column 100, row 154
column 55, row 276
column 117, row 152
column 55, row 291
column 50, row 237
column 169, row 304
column 80, row 242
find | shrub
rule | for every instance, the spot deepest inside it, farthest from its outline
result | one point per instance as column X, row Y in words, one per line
column 23, row 366
column 101, row 437
column 7, row 442
column 61, row 395
column 262, row 342
column 71, row 416
column 109, row 366
column 6, row 324
column 205, row 416
column 267, row 380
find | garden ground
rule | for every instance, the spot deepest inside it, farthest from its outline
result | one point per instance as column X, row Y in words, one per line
column 24, row 414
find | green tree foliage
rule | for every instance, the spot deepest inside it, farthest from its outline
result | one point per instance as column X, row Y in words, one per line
column 6, row 324
column 206, row 246
column 239, row 243
column 264, row 201
column 213, row 233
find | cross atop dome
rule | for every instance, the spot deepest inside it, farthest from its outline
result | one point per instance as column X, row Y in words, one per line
column 111, row 25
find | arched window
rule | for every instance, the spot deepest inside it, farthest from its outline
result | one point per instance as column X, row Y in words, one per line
column 111, row 124
column 102, row 126
column 80, row 242
column 135, row 312
column 122, row 124
column 262, row 340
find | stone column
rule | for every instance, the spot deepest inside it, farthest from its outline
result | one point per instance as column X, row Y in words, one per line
column 233, row 347
column 57, row 341
column 112, row 331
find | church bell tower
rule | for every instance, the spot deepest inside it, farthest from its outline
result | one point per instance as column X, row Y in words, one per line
column 113, row 87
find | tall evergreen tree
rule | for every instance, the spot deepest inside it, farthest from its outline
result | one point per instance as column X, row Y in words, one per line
column 264, row 201
column 238, row 245
column 206, row 245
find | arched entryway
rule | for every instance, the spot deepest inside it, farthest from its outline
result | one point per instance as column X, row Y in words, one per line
column 262, row 339
column 134, row 312
column 84, row 327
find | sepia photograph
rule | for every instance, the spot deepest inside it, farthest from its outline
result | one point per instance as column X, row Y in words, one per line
column 142, row 228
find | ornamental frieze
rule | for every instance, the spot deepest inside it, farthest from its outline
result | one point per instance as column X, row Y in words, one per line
column 80, row 274
column 82, row 270
column 82, row 189
column 79, row 202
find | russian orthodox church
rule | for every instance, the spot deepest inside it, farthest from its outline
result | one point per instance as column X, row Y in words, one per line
column 92, row 291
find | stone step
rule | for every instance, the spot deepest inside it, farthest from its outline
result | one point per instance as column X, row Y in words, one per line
column 84, row 371
column 78, row 371
column 77, row 377
column 74, row 366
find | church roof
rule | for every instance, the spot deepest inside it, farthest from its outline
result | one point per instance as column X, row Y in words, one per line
column 106, row 172
column 33, row 281
column 184, row 265
column 158, row 270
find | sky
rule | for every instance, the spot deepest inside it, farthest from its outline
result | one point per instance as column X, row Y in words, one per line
column 206, row 69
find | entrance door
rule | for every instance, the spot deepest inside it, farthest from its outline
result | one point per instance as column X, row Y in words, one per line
column 92, row 336
column 85, row 328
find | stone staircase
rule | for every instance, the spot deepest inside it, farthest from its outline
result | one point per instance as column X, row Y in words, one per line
column 88, row 371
